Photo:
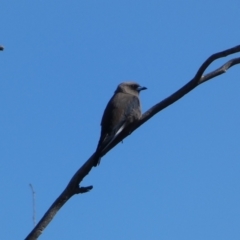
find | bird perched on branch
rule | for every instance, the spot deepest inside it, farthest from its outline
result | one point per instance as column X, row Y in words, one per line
column 123, row 109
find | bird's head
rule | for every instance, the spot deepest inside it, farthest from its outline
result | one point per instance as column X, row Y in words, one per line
column 132, row 88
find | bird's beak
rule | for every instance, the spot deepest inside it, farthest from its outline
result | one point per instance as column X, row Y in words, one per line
column 141, row 88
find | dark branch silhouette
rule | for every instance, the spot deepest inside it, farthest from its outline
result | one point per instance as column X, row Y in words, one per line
column 73, row 186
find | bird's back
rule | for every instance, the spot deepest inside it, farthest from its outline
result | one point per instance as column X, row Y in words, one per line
column 122, row 108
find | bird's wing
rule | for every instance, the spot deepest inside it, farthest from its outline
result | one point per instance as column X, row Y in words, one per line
column 121, row 110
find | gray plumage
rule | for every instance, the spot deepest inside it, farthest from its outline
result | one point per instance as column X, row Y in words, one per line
column 123, row 109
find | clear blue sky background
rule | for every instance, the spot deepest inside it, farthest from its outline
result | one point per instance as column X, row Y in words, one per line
column 176, row 177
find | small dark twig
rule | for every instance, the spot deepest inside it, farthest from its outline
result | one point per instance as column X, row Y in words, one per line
column 73, row 186
column 84, row 189
column 34, row 204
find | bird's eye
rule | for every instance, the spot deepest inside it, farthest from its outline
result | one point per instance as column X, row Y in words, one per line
column 134, row 86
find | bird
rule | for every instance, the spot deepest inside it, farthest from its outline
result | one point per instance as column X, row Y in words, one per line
column 122, row 109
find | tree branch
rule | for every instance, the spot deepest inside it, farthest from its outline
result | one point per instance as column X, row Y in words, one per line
column 73, row 186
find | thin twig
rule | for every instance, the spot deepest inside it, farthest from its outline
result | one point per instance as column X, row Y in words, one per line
column 33, row 204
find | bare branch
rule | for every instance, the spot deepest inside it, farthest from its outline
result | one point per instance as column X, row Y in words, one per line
column 197, row 80
column 73, row 186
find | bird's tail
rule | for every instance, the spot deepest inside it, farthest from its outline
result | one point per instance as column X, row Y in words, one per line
column 106, row 142
column 97, row 159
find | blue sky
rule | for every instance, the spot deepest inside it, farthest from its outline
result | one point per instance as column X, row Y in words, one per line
column 176, row 177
